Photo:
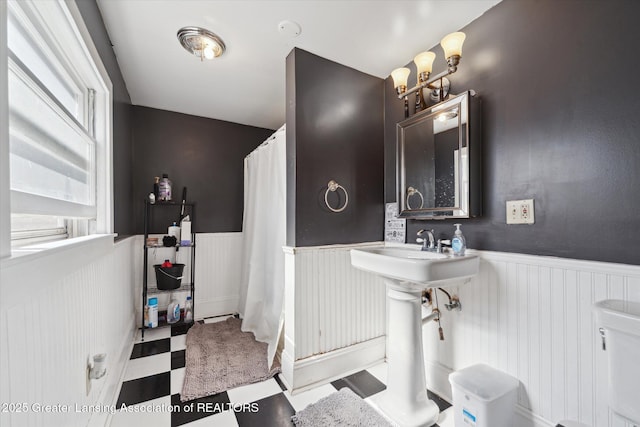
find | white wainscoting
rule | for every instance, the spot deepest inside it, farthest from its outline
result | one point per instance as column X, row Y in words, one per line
column 532, row 317
column 329, row 306
column 58, row 309
column 218, row 271
column 217, row 274
column 527, row 315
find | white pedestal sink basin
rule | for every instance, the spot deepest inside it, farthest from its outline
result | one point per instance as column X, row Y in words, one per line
column 415, row 268
column 407, row 272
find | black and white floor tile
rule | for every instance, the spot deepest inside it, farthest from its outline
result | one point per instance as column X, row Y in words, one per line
column 153, row 380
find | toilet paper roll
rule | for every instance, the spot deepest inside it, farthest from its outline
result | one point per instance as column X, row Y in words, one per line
column 174, row 230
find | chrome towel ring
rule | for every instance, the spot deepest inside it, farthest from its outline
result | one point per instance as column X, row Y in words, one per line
column 333, row 186
column 412, row 192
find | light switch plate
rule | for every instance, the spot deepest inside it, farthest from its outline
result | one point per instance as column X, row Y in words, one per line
column 520, row 212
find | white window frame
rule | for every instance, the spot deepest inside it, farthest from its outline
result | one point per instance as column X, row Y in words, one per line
column 76, row 40
column 5, row 206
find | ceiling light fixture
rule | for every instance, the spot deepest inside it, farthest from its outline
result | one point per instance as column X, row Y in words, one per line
column 452, row 46
column 202, row 43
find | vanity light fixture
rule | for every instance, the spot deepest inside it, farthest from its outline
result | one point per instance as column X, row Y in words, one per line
column 452, row 46
column 202, row 43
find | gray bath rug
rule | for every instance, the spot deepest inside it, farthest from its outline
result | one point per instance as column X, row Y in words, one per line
column 220, row 357
column 343, row 408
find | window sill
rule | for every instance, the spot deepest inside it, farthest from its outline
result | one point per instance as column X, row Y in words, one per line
column 67, row 247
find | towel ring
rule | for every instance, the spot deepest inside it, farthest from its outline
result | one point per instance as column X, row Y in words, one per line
column 412, row 192
column 333, row 186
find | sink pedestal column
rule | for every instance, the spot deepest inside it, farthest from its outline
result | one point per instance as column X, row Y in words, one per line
column 405, row 400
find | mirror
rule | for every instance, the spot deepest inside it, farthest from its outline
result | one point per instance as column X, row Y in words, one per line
column 438, row 161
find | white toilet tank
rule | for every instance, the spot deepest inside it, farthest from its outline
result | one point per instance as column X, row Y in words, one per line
column 620, row 321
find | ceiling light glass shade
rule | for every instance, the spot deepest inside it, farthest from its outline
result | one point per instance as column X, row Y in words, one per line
column 452, row 44
column 200, row 42
column 400, row 76
column 424, row 62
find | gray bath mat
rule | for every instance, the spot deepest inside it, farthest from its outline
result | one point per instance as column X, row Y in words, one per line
column 220, row 357
column 343, row 408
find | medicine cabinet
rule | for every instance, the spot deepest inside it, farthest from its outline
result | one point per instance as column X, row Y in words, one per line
column 438, row 161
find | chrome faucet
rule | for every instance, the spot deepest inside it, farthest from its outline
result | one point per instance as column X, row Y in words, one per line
column 428, row 244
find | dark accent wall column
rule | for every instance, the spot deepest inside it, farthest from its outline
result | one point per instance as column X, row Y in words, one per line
column 334, row 131
column 122, row 164
column 559, row 88
column 205, row 155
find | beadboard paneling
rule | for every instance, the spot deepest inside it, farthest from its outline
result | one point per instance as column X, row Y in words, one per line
column 48, row 336
column 218, row 270
column 532, row 317
column 336, row 305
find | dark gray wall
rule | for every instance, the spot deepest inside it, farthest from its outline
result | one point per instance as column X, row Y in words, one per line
column 558, row 81
column 122, row 165
column 205, row 155
column 334, row 131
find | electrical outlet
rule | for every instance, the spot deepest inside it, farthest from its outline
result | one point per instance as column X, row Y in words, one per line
column 520, row 212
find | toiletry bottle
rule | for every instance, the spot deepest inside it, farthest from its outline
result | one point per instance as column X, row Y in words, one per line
column 173, row 311
column 458, row 243
column 152, row 313
column 165, row 188
column 188, row 310
column 156, row 187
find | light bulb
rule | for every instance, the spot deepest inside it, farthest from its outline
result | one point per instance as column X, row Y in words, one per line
column 452, row 44
column 208, row 52
column 446, row 115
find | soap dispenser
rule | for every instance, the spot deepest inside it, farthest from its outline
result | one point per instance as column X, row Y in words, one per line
column 458, row 243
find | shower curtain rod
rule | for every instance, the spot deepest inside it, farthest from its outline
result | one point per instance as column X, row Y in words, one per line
column 273, row 135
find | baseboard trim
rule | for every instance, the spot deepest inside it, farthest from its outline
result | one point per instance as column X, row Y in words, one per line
column 438, row 379
column 303, row 374
column 526, row 418
column 111, row 390
column 216, row 307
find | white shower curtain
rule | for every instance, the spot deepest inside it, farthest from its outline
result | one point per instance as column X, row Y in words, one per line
column 264, row 235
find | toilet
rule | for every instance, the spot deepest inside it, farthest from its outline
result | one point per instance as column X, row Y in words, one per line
column 619, row 325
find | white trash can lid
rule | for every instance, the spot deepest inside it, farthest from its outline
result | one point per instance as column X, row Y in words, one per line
column 483, row 381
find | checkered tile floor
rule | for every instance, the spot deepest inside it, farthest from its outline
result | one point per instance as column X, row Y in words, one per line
column 154, row 376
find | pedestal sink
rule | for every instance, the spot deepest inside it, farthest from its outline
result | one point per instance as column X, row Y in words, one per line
column 406, row 273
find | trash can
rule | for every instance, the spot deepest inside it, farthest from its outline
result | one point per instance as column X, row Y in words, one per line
column 483, row 397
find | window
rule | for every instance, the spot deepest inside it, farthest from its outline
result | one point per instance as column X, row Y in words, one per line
column 59, row 124
column 28, row 229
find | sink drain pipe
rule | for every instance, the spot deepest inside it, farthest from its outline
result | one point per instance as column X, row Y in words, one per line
column 431, row 316
column 435, row 312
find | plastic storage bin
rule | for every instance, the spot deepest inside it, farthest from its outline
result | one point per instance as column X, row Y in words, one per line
column 483, row 397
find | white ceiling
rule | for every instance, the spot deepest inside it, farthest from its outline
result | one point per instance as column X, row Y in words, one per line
column 247, row 84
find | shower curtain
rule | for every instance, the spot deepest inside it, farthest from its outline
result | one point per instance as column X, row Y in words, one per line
column 263, row 227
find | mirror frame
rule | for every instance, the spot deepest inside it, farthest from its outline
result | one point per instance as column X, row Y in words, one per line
column 470, row 204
